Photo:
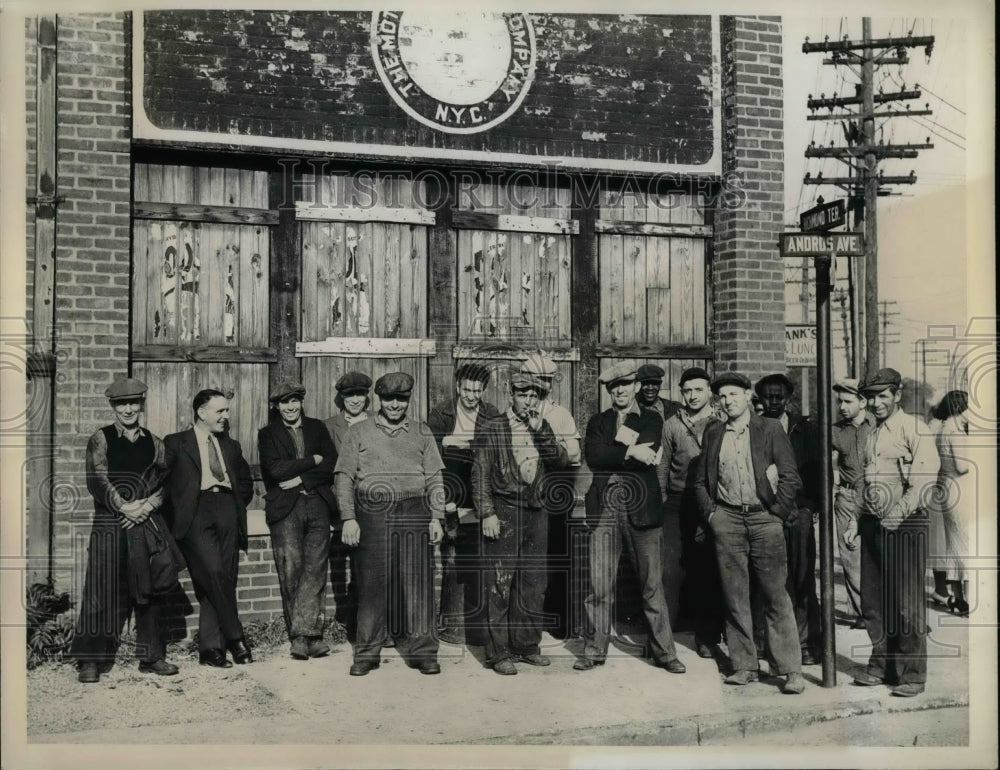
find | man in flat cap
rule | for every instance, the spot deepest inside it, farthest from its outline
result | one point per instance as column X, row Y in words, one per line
column 509, row 480
column 297, row 458
column 124, row 475
column 774, row 391
column 209, row 488
column 745, row 483
column 353, row 400
column 848, row 438
column 650, row 379
column 458, row 426
column 562, row 599
column 391, row 499
column 624, row 510
column 686, row 544
column 900, row 467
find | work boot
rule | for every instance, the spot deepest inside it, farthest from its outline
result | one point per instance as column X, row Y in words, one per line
column 505, row 667
column 742, row 677
column 300, row 648
column 160, row 667
column 318, row 648
column 794, row 684
column 88, row 673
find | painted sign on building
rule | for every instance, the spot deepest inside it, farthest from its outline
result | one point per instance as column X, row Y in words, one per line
column 800, row 345
column 603, row 92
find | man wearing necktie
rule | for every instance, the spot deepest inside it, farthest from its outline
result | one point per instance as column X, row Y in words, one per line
column 209, row 487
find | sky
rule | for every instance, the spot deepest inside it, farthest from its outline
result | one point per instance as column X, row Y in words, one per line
column 922, row 236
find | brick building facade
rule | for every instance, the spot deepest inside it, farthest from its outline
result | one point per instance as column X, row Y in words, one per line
column 115, row 186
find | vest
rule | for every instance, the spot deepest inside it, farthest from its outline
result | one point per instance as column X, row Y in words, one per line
column 128, row 463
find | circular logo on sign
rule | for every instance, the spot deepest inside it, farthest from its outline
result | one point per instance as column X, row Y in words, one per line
column 460, row 73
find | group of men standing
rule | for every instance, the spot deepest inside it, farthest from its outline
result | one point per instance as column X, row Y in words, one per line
column 705, row 486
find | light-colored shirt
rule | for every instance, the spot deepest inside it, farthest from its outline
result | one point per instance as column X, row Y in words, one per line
column 208, row 479
column 783, row 419
column 900, row 467
column 382, row 462
column 848, row 441
column 563, row 427
column 736, row 480
column 681, row 442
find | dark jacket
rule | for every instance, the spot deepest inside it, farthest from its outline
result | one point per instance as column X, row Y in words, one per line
column 154, row 560
column 495, row 473
column 183, row 485
column 606, row 457
column 458, row 462
column 278, row 462
column 803, row 434
column 768, row 446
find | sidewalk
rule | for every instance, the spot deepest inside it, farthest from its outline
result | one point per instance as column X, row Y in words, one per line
column 626, row 701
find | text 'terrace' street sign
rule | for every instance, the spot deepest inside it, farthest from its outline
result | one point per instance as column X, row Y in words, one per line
column 825, row 216
column 817, row 245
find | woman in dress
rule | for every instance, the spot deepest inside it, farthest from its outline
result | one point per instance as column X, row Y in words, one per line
column 957, row 495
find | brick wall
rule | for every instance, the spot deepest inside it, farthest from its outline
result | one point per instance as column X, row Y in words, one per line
column 92, row 257
column 747, row 272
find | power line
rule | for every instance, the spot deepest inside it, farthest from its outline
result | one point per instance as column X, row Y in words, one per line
column 942, row 99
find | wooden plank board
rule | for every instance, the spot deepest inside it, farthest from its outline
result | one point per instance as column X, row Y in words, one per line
column 662, row 331
column 313, row 286
column 613, row 280
column 202, row 213
column 252, row 298
column 699, row 297
column 682, row 278
column 519, row 223
column 518, row 254
column 312, row 212
column 204, row 353
column 418, row 266
column 144, row 276
column 394, row 274
column 464, row 282
column 508, row 351
column 653, row 228
column 653, row 350
column 367, row 347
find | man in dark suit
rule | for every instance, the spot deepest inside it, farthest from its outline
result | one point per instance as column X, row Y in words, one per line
column 774, row 391
column 209, row 487
column 745, row 483
column 624, row 509
column 297, row 458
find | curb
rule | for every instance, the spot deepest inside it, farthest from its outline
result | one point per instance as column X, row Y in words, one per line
column 694, row 730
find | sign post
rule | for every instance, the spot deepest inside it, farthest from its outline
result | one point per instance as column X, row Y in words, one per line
column 824, row 248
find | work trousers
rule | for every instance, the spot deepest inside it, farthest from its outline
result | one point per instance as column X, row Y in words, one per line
column 395, row 571
column 610, row 536
column 462, row 600
column 301, row 544
column 893, row 563
column 671, row 554
column 211, row 550
column 106, row 602
column 701, row 591
column 514, row 581
column 753, row 544
column 845, row 510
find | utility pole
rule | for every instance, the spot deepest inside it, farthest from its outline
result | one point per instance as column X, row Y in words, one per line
column 862, row 154
column 884, row 319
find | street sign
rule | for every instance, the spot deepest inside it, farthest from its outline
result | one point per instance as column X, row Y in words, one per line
column 800, row 345
column 825, row 216
column 817, row 245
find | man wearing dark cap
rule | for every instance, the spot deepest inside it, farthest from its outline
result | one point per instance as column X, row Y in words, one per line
column 297, row 458
column 847, row 439
column 124, row 476
column 774, row 391
column 458, row 427
column 518, row 451
column 900, row 469
column 209, row 488
column 745, row 483
column 391, row 500
column 685, row 542
column 650, row 379
column 352, row 400
column 624, row 510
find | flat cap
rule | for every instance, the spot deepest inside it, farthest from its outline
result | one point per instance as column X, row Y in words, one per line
column 848, row 385
column 694, row 373
column 524, row 380
column 288, row 388
column 125, row 387
column 770, row 379
column 882, row 379
column 649, row 372
column 730, row 378
column 625, row 370
column 539, row 364
column 353, row 381
column 394, row 383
